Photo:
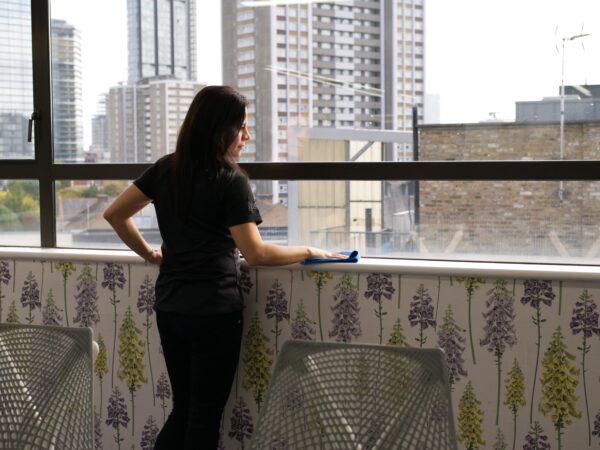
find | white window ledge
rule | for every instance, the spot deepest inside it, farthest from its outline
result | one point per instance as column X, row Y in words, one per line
column 388, row 265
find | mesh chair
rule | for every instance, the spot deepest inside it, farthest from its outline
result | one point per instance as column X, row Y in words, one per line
column 359, row 397
column 45, row 388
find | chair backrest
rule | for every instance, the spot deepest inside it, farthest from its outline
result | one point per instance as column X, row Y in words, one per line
column 354, row 396
column 46, row 399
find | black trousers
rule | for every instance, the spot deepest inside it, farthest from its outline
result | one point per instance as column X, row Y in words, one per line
column 201, row 354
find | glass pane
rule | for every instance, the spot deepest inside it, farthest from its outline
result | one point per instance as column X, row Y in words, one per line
column 16, row 80
column 489, row 221
column 79, row 208
column 19, row 213
column 120, row 96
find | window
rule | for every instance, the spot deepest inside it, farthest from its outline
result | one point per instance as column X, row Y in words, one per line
column 496, row 173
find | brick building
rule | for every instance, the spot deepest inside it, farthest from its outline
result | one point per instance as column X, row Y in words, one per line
column 510, row 218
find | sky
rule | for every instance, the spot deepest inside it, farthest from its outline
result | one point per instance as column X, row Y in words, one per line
column 480, row 55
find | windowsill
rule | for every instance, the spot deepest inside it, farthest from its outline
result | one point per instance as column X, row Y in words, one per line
column 402, row 266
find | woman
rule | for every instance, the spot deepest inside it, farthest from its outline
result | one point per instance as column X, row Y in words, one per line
column 206, row 212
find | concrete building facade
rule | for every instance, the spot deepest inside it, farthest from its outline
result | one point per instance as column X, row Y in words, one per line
column 355, row 65
column 67, row 94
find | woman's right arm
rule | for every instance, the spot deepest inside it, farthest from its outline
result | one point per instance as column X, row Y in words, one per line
column 259, row 253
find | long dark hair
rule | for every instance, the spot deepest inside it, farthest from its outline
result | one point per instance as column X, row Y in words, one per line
column 210, row 126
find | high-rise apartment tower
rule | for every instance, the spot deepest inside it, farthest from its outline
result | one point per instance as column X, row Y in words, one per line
column 352, row 64
column 161, row 39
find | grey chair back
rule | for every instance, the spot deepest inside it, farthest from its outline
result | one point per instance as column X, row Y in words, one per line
column 356, row 396
column 46, row 399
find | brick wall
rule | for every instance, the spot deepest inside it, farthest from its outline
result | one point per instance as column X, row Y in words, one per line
column 511, row 217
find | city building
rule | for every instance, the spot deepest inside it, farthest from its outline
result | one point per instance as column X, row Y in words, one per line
column 143, row 119
column 16, row 82
column 143, row 115
column 67, row 92
column 353, row 64
column 581, row 103
column 161, row 39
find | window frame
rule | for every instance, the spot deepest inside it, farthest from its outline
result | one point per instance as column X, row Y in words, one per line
column 46, row 172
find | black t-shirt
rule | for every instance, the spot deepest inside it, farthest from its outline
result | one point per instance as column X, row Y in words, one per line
column 200, row 270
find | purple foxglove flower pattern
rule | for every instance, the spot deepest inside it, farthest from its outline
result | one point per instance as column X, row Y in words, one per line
column 421, row 313
column 302, row 327
column 117, row 414
column 114, row 277
column 149, row 434
column 346, row 323
column 131, row 353
column 596, row 430
column 397, row 335
column 87, row 313
column 12, row 316
column 453, row 344
column 277, row 308
column 145, row 305
column 320, row 279
column 379, row 288
column 471, row 284
column 585, row 321
column 537, row 293
column 30, row 296
column 163, row 393
column 499, row 328
column 97, row 432
column 258, row 359
column 500, row 443
column 245, row 281
column 373, row 431
column 66, row 268
column 536, row 439
column 241, row 422
column 51, row 313
column 5, row 277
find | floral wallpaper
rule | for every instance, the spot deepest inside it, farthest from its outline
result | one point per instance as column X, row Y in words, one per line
column 522, row 354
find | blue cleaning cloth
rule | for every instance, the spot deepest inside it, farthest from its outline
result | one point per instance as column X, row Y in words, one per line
column 353, row 257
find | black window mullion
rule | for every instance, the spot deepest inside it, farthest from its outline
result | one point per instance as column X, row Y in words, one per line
column 42, row 100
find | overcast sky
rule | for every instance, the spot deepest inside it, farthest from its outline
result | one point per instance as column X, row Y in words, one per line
column 481, row 55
